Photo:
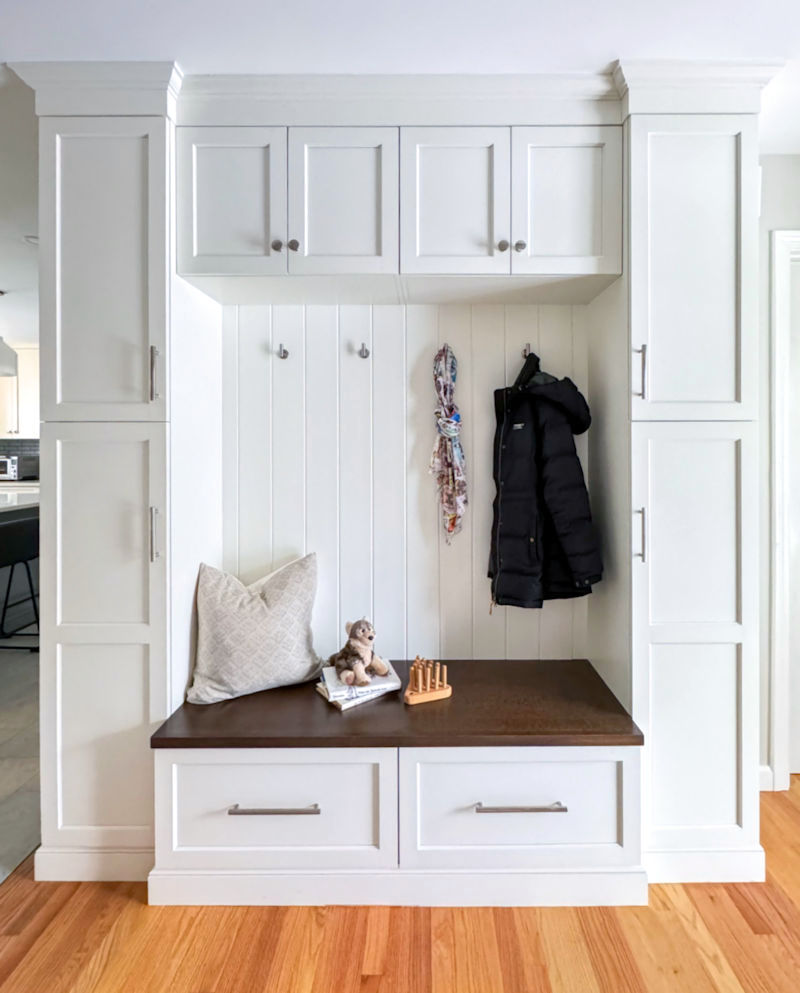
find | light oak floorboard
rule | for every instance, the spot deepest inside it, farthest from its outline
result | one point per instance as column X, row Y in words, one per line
column 103, row 938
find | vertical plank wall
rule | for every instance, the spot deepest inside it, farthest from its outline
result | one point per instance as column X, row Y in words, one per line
column 329, row 452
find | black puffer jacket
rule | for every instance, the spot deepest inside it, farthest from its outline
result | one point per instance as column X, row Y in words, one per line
column 544, row 545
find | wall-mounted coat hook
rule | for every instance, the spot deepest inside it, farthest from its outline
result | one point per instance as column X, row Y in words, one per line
column 526, row 351
column 363, row 351
column 283, row 353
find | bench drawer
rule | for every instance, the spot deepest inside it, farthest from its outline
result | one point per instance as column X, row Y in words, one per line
column 277, row 808
column 519, row 807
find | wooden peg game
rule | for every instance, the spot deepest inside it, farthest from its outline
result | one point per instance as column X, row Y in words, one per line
column 427, row 681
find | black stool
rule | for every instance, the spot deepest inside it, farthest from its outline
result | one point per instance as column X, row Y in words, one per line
column 19, row 545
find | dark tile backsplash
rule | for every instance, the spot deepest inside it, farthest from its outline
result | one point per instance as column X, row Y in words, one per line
column 19, row 446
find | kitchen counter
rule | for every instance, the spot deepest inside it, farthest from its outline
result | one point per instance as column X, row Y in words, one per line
column 19, row 498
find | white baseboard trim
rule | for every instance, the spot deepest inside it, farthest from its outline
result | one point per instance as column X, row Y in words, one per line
column 591, row 888
column 766, row 781
column 706, row 866
column 92, row 865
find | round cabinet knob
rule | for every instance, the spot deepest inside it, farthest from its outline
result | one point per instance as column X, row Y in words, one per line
column 294, row 244
column 520, row 246
column 502, row 246
column 277, row 245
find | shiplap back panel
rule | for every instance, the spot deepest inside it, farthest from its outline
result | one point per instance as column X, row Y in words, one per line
column 331, row 453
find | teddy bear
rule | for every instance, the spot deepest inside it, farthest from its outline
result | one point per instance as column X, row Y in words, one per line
column 357, row 659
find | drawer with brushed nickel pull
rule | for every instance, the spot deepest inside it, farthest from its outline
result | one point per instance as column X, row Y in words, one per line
column 513, row 807
column 277, row 808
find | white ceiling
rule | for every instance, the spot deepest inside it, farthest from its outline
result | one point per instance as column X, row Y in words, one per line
column 364, row 36
column 408, row 36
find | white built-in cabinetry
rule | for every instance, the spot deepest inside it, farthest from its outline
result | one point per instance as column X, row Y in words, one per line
column 129, row 460
column 104, row 249
column 19, row 396
column 694, row 541
column 693, row 266
column 434, row 200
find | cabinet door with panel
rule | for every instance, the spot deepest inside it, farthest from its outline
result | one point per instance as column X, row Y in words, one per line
column 103, row 212
column 104, row 634
column 694, row 266
column 566, row 200
column 231, row 201
column 695, row 633
column 343, row 200
column 455, row 200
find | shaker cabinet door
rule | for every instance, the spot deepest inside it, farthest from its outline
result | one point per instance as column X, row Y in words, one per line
column 455, row 200
column 103, row 629
column 695, row 633
column 566, row 200
column 343, row 200
column 694, row 267
column 104, row 248
column 231, row 201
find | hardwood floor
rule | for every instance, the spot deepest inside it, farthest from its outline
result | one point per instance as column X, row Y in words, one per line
column 102, row 938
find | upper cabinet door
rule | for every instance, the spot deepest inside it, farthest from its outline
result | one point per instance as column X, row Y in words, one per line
column 455, row 200
column 103, row 212
column 566, row 186
column 694, row 267
column 343, row 200
column 231, row 201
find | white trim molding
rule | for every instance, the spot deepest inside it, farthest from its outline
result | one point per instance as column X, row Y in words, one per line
column 620, row 886
column 704, row 865
column 785, row 253
column 66, row 89
column 92, row 864
column 766, row 781
column 563, row 98
column 674, row 86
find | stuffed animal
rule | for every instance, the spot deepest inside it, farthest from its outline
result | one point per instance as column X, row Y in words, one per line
column 357, row 660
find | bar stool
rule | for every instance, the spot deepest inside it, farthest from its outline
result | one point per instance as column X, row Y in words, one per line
column 19, row 545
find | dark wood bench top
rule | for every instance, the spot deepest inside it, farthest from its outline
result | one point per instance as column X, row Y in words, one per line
column 543, row 702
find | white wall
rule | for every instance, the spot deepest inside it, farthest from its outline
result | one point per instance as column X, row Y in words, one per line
column 329, row 452
column 780, row 210
column 19, row 308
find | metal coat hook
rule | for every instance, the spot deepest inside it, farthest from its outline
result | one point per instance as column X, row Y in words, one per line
column 526, row 351
column 283, row 353
column 363, row 351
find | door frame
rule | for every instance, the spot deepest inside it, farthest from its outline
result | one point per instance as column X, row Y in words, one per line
column 784, row 254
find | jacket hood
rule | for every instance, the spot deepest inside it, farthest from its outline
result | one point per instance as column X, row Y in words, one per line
column 565, row 394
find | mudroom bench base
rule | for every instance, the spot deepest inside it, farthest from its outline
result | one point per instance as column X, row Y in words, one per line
column 522, row 789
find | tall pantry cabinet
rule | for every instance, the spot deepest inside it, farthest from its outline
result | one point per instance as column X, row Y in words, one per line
column 693, row 269
column 109, row 453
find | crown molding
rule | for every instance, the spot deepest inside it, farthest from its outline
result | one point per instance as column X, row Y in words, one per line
column 672, row 86
column 102, row 88
column 567, row 98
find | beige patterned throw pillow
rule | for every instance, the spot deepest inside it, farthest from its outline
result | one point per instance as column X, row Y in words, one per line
column 255, row 637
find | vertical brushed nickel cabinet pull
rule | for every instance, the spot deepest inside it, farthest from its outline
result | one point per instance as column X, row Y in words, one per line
column 643, row 554
column 154, row 353
column 643, row 352
column 154, row 552
column 237, row 811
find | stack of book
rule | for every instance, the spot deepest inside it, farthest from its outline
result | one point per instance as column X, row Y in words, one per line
column 344, row 697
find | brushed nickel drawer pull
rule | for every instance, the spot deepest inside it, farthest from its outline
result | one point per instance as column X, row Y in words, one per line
column 551, row 808
column 237, row 811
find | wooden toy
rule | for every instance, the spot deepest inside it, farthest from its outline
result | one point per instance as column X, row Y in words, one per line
column 427, row 681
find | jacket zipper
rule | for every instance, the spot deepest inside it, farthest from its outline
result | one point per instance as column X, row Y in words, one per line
column 497, row 571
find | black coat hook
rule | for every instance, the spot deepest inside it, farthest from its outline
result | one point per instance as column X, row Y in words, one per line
column 283, row 353
column 363, row 351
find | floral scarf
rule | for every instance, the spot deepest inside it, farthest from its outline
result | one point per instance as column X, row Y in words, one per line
column 447, row 460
